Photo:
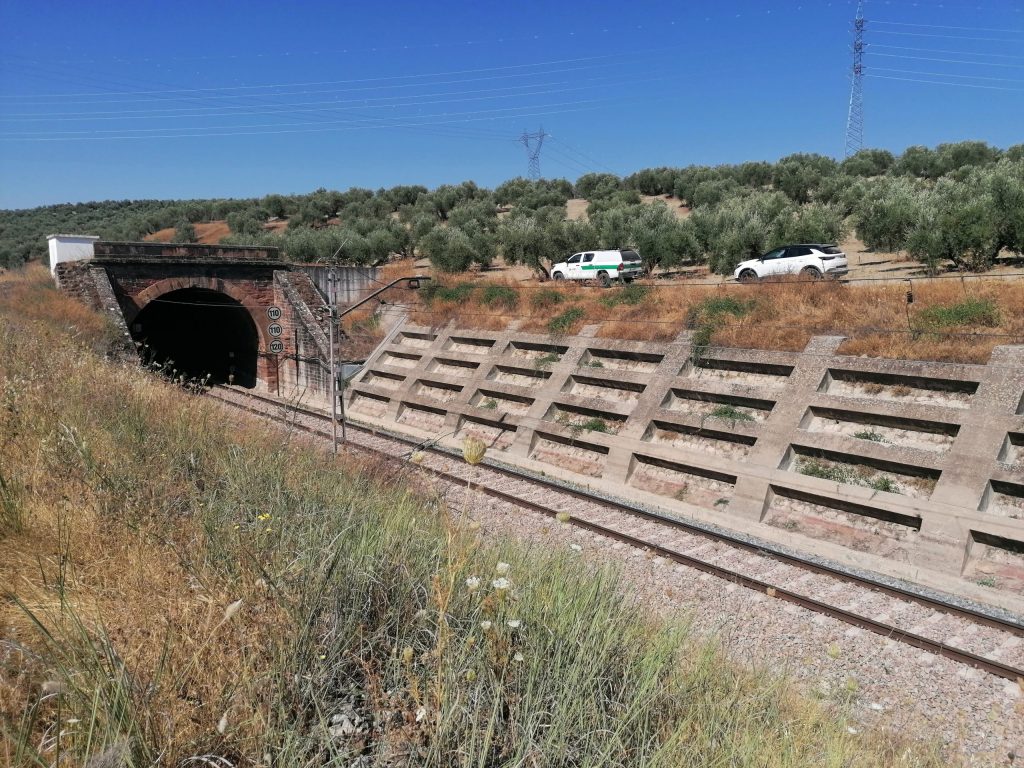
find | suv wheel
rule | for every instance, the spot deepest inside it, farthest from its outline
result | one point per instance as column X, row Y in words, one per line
column 747, row 276
column 811, row 273
column 558, row 276
column 603, row 279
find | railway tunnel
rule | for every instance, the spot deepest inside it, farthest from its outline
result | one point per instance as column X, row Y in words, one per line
column 200, row 333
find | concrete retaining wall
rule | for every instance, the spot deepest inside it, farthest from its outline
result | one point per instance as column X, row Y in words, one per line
column 350, row 284
column 912, row 469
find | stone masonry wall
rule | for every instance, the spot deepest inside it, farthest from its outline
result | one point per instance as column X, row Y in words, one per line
column 912, row 469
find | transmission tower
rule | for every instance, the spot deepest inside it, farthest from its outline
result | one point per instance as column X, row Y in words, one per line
column 533, row 142
column 855, row 117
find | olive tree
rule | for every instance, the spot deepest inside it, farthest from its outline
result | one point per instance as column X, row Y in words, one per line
column 889, row 212
column 958, row 223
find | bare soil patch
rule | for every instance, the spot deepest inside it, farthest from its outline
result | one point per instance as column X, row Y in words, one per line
column 207, row 233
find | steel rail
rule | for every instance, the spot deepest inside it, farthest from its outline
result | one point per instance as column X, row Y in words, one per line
column 891, row 590
column 983, row 663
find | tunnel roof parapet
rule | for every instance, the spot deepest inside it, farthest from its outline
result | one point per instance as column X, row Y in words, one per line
column 111, row 251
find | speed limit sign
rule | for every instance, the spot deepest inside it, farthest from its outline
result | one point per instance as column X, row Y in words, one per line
column 276, row 347
column 275, row 329
column 274, row 313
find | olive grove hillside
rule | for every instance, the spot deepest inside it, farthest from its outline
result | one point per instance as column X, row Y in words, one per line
column 955, row 206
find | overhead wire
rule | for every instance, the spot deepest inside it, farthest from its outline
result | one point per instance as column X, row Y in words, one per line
column 219, row 89
column 492, row 94
column 948, row 37
column 942, row 50
column 941, row 82
column 869, row 52
column 947, row 74
column 947, row 26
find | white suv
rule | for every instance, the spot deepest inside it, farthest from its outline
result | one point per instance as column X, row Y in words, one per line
column 811, row 260
column 603, row 266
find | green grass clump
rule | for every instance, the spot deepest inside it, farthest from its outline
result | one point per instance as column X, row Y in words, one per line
column 439, row 291
column 706, row 317
column 883, row 483
column 729, row 413
column 839, row 473
column 969, row 312
column 564, row 322
column 632, row 294
column 490, row 404
column 869, row 434
column 725, row 305
column 833, row 472
column 546, row 298
column 499, row 296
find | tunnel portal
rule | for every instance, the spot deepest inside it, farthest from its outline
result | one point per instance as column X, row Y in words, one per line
column 200, row 333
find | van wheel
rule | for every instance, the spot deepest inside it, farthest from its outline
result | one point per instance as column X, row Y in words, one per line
column 747, row 276
column 603, row 279
column 558, row 276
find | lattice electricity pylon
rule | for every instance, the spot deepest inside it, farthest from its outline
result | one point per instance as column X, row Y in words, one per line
column 855, row 116
column 533, row 142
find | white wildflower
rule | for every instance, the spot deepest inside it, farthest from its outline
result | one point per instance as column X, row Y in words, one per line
column 514, row 623
column 575, row 547
column 485, row 625
column 501, row 584
column 421, row 714
column 517, row 657
column 502, row 568
column 223, row 724
column 231, row 610
column 473, row 583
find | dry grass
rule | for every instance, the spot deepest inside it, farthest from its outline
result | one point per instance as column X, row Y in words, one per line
column 207, row 233
column 28, row 297
column 135, row 517
column 782, row 315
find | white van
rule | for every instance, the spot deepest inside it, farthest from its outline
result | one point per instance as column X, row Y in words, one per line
column 603, row 266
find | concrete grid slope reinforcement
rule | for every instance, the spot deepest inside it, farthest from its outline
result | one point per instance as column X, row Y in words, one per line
column 911, row 469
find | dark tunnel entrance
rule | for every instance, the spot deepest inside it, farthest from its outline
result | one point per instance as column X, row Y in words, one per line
column 200, row 333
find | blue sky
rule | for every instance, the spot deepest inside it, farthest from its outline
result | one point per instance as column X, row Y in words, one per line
column 184, row 99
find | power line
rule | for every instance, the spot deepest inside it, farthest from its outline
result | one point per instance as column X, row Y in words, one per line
column 945, row 26
column 950, row 37
column 948, row 74
column 946, row 61
column 939, row 50
column 320, row 82
column 937, row 82
column 292, row 107
column 492, row 113
column 583, row 155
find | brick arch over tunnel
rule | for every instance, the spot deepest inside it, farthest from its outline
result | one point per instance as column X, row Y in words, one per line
column 161, row 287
column 207, row 325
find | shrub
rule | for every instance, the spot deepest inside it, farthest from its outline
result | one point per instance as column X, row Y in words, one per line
column 564, row 322
column 632, row 294
column 546, row 298
column 499, row 296
column 440, row 291
column 968, row 312
column 185, row 232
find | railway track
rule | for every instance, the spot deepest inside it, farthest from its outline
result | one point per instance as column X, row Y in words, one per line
column 984, row 641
